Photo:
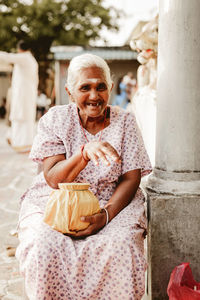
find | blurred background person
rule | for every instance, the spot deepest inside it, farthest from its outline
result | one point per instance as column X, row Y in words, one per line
column 8, row 101
column 24, row 86
column 126, row 86
column 3, row 109
column 43, row 104
column 130, row 83
column 121, row 96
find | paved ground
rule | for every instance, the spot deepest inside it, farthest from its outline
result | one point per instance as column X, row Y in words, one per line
column 16, row 175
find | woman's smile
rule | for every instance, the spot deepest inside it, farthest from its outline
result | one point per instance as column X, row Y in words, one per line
column 94, row 104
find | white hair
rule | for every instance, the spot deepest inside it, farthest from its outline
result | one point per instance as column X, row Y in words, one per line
column 84, row 61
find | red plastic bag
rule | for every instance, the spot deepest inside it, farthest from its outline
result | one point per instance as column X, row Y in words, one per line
column 182, row 285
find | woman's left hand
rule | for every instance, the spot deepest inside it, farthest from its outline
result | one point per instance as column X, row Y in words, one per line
column 96, row 221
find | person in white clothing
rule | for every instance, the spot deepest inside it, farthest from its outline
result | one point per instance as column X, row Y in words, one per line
column 24, row 95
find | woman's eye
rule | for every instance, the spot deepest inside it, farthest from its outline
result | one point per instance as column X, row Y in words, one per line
column 85, row 88
column 102, row 87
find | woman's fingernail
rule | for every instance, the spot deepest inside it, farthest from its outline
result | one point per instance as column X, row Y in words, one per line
column 82, row 218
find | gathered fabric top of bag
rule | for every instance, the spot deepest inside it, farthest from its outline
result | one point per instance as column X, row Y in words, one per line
column 74, row 186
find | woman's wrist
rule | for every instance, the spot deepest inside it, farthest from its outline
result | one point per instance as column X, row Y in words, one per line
column 107, row 215
column 85, row 158
column 111, row 211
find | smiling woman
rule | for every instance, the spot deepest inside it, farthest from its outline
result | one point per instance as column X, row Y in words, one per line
column 87, row 141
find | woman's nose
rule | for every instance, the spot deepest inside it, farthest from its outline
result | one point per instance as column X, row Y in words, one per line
column 93, row 94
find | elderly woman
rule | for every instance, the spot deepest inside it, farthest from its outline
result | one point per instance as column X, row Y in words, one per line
column 87, row 141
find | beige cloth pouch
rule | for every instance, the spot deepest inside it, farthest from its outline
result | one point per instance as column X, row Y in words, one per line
column 68, row 204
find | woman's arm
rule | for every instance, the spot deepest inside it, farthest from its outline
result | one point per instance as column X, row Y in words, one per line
column 11, row 58
column 57, row 169
column 124, row 193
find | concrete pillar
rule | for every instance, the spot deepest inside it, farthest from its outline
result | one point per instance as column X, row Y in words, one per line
column 174, row 186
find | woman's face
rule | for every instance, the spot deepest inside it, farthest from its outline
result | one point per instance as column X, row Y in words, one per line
column 91, row 92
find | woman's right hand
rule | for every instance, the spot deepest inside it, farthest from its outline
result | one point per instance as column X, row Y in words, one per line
column 100, row 150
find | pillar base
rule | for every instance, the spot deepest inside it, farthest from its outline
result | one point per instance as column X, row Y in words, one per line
column 174, row 226
column 174, row 183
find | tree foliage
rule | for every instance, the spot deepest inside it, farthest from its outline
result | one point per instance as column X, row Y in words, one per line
column 43, row 23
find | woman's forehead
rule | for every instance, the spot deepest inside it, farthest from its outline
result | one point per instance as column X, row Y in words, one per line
column 90, row 80
column 91, row 75
column 93, row 80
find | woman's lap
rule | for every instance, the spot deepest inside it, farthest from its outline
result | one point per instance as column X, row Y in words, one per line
column 90, row 266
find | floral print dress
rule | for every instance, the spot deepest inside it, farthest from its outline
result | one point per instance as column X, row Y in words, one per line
column 109, row 265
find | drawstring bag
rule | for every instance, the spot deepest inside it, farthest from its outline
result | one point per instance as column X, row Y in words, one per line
column 68, row 204
column 182, row 285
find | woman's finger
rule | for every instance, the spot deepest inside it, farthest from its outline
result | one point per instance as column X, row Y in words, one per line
column 80, row 233
column 102, row 150
column 103, row 157
column 88, row 231
column 89, row 219
column 92, row 156
column 105, row 149
column 112, row 153
column 96, row 221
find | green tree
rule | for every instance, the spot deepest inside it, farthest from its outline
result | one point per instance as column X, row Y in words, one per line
column 43, row 23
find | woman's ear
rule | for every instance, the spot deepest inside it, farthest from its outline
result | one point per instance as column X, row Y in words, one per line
column 67, row 90
column 112, row 86
column 69, row 94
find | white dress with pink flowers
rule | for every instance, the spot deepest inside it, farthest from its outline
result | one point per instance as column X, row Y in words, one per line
column 109, row 265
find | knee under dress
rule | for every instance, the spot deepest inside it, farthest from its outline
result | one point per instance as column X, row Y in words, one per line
column 109, row 265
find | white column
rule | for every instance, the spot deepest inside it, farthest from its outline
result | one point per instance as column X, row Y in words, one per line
column 174, row 186
column 177, row 164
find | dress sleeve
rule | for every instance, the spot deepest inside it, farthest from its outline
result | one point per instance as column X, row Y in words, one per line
column 11, row 58
column 47, row 141
column 134, row 155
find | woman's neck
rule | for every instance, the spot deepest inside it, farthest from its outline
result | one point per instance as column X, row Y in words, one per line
column 89, row 122
column 94, row 125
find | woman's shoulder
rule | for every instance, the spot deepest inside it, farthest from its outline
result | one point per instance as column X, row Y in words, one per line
column 61, row 111
column 121, row 113
column 59, row 117
column 62, row 108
